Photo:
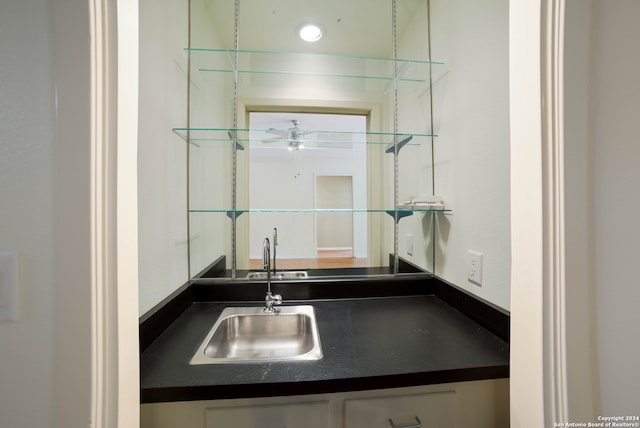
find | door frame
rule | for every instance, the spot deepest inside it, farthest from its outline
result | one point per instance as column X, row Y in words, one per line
column 374, row 159
column 548, row 291
column 96, row 357
column 538, row 248
column 315, row 217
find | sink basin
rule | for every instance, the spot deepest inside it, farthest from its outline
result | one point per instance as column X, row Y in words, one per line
column 242, row 335
column 291, row 274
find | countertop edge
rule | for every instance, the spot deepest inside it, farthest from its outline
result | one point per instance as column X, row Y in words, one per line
column 281, row 389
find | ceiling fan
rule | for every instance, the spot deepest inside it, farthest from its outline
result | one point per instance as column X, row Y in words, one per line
column 294, row 135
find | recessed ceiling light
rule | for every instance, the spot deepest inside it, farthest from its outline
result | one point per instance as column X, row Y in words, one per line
column 310, row 32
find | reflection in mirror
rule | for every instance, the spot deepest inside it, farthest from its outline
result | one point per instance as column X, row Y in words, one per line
column 323, row 140
column 308, row 163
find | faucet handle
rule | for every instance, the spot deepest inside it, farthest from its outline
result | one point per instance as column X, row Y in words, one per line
column 276, row 299
column 270, row 300
column 273, row 299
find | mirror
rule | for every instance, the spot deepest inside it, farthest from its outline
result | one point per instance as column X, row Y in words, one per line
column 257, row 93
column 311, row 186
column 472, row 154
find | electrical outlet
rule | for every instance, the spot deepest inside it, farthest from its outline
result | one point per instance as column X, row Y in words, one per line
column 409, row 244
column 474, row 267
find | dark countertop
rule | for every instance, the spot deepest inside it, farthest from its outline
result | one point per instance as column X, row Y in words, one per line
column 367, row 343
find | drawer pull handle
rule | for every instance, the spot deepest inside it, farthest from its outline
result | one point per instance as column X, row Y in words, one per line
column 418, row 424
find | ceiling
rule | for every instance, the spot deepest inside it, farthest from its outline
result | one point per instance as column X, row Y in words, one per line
column 352, row 27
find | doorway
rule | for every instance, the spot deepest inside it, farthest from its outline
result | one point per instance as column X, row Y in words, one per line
column 334, row 225
column 292, row 157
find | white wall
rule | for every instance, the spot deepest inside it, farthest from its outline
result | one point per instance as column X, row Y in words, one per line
column 45, row 187
column 274, row 185
column 161, row 153
column 471, row 119
column 27, row 136
column 211, row 106
column 580, row 346
column 615, row 109
column 415, row 172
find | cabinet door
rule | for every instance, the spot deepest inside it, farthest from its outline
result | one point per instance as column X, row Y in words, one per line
column 433, row 410
column 298, row 415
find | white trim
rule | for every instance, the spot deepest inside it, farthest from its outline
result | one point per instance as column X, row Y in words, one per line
column 526, row 367
column 114, row 336
column 538, row 358
column 555, row 380
column 99, row 253
column 104, row 332
column 123, row 310
column 552, row 372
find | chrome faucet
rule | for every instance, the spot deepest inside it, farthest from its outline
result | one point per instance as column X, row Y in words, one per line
column 270, row 299
column 275, row 250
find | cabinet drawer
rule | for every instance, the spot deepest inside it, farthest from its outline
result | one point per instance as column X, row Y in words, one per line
column 434, row 410
column 299, row 415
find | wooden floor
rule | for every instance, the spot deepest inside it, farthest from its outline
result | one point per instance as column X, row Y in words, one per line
column 327, row 259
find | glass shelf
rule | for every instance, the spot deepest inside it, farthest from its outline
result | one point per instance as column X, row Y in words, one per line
column 312, row 139
column 400, row 212
column 269, row 68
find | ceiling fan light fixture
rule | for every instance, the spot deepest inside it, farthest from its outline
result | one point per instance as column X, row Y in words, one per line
column 310, row 32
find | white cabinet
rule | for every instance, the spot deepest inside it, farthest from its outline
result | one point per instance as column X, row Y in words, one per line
column 307, row 415
column 437, row 410
column 478, row 404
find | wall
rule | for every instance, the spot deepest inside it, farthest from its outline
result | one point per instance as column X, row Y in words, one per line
column 162, row 154
column 46, row 165
column 580, row 347
column 415, row 178
column 275, row 177
column 27, row 136
column 211, row 101
column 615, row 108
column 471, row 119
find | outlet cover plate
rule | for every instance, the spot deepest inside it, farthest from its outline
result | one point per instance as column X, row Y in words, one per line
column 409, row 244
column 474, row 267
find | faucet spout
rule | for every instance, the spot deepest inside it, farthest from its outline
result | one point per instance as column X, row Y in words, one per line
column 270, row 299
column 266, row 256
column 275, row 250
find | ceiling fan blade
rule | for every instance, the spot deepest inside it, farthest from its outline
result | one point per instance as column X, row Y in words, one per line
column 280, row 133
column 275, row 140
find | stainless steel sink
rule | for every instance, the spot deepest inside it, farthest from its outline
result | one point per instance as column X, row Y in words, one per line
column 290, row 274
column 243, row 335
